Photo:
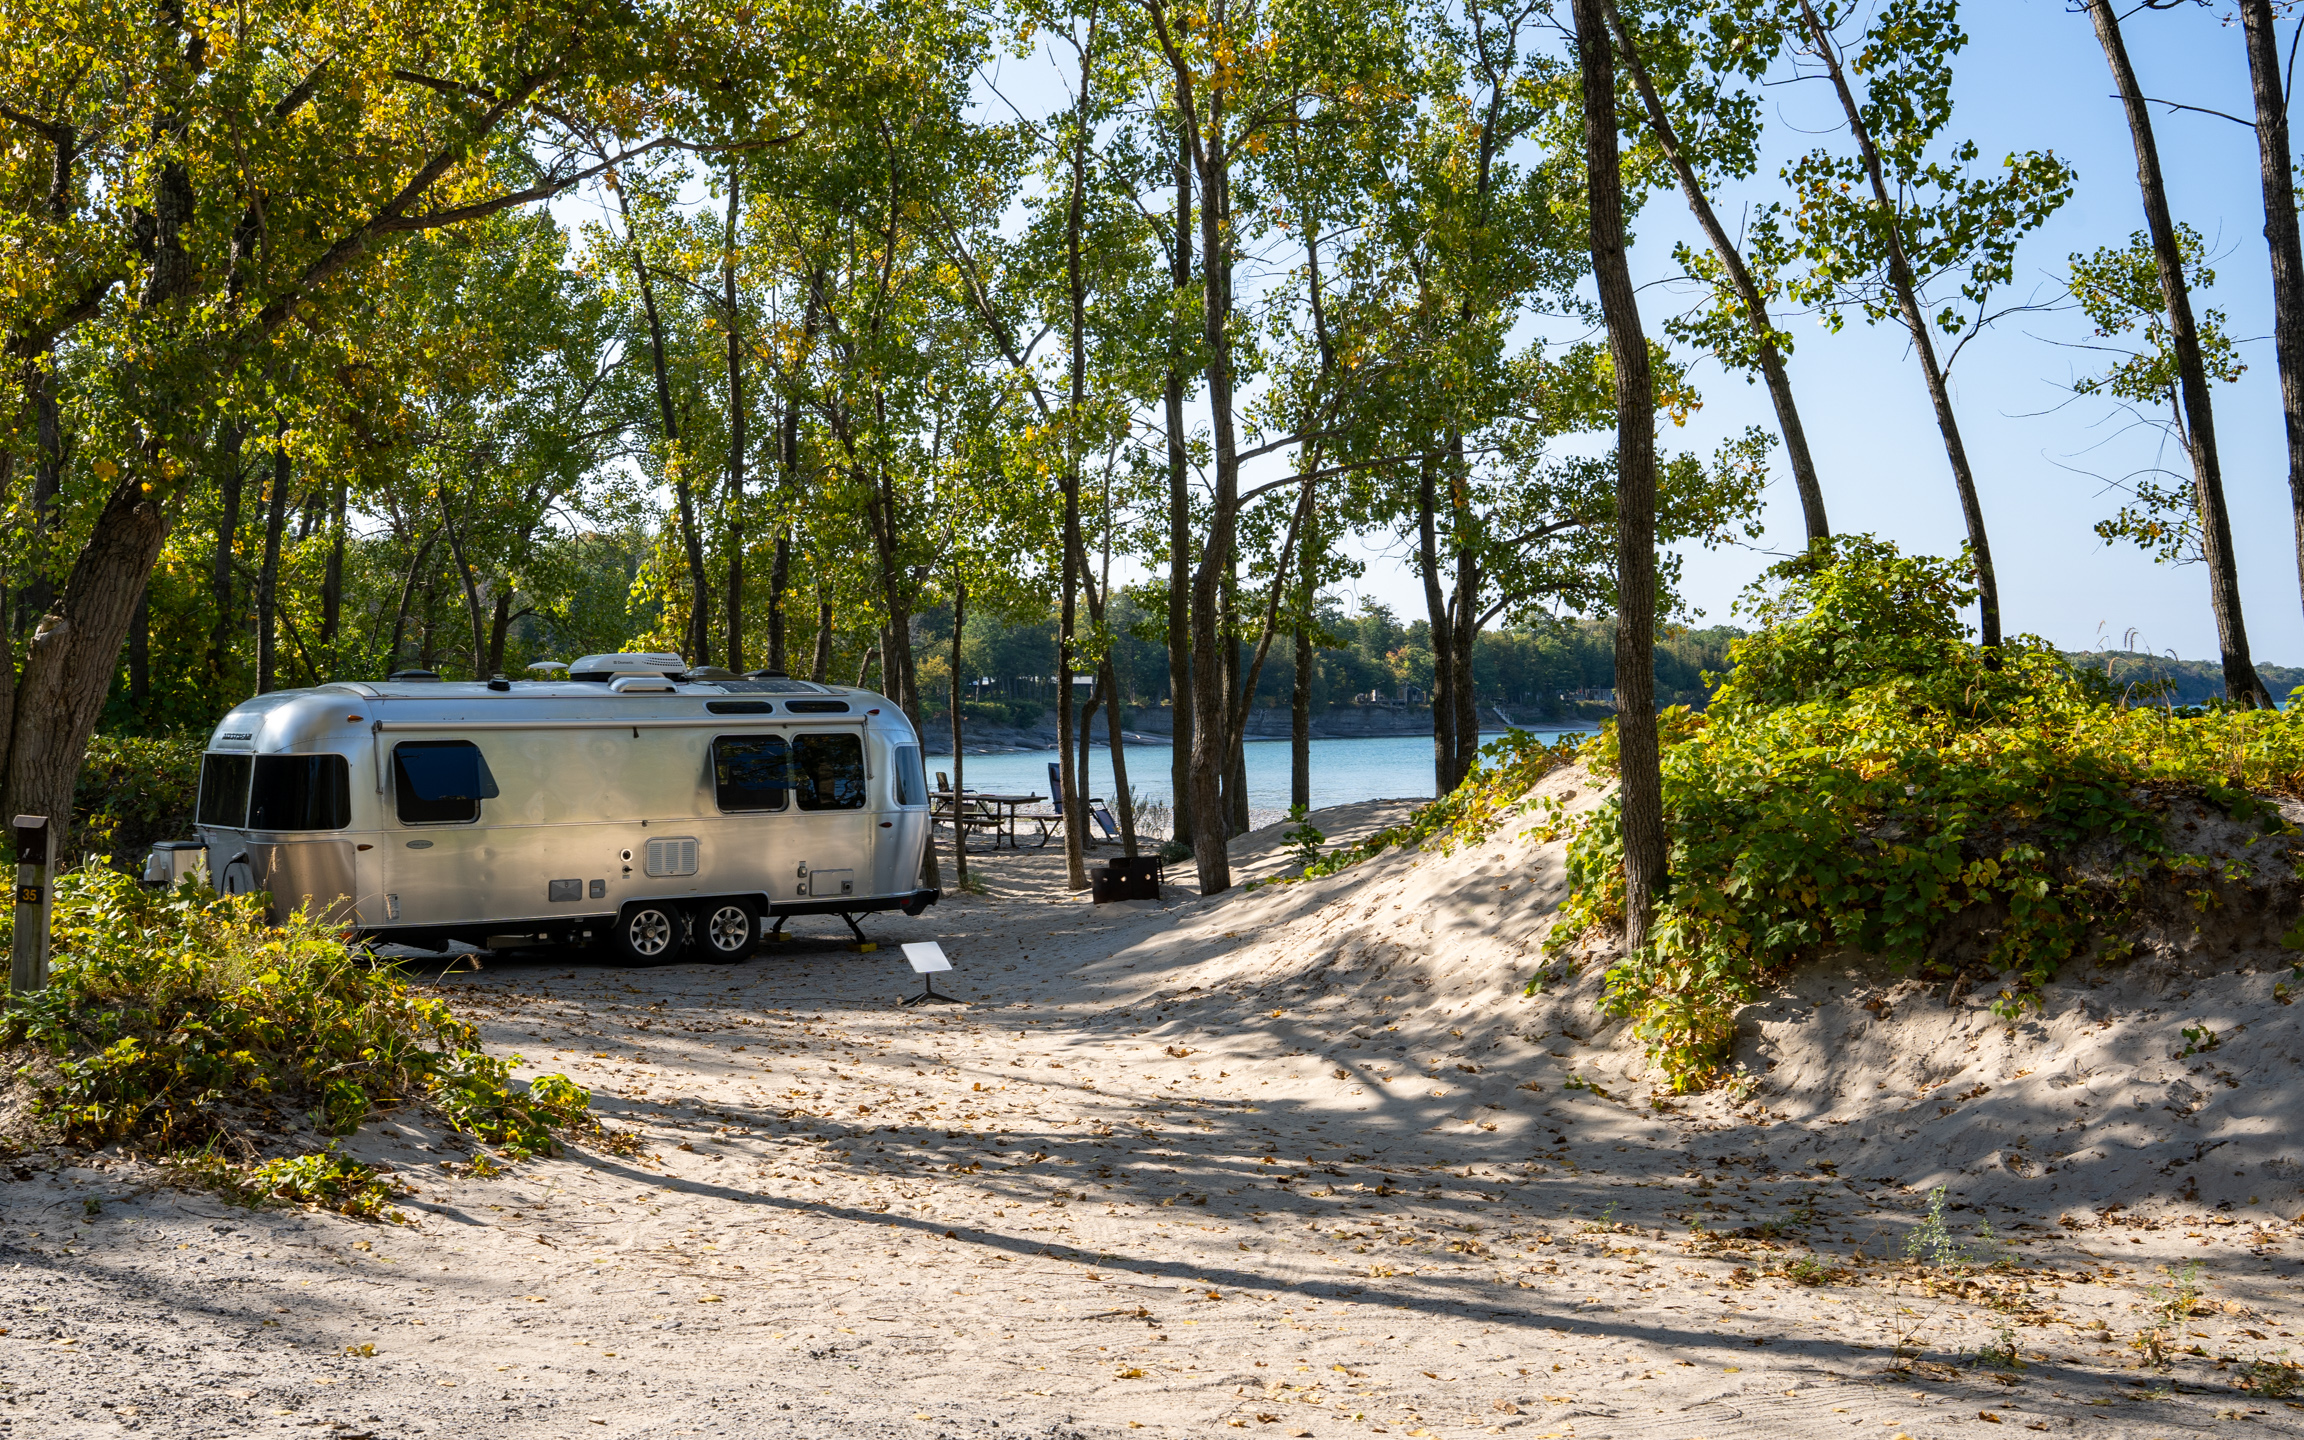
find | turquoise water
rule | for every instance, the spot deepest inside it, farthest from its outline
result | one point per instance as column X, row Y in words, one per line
column 1363, row 768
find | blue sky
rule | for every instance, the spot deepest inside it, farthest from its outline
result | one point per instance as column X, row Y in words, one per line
column 2032, row 77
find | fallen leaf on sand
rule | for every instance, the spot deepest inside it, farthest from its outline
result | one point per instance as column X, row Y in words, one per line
column 708, row 1299
column 1131, row 1373
column 1987, row 1415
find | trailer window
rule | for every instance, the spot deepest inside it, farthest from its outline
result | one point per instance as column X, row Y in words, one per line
column 828, row 771
column 440, row 782
column 300, row 792
column 751, row 772
column 224, row 790
column 911, row 783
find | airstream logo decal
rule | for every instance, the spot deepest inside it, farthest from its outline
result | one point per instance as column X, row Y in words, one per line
column 237, row 735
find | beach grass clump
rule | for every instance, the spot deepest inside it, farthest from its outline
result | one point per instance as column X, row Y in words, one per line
column 182, row 1024
column 1864, row 773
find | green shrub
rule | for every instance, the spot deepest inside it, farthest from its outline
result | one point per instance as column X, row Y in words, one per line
column 168, row 1013
column 132, row 791
column 1812, row 809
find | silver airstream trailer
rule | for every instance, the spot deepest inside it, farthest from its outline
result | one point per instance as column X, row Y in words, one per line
column 633, row 801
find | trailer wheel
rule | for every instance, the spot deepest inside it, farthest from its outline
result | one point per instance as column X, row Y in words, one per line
column 726, row 930
column 647, row 934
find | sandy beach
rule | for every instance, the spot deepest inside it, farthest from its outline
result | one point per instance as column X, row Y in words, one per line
column 1304, row 1161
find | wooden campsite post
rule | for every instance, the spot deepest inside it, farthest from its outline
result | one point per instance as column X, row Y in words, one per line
column 35, row 874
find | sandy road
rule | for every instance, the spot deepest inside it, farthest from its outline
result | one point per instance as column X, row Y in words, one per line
column 1112, row 1194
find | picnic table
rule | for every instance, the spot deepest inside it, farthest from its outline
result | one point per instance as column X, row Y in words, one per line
column 984, row 810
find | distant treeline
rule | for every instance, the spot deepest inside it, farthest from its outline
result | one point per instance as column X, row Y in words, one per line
column 1008, row 663
column 2152, row 678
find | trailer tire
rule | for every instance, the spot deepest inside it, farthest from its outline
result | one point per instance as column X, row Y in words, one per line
column 726, row 930
column 648, row 934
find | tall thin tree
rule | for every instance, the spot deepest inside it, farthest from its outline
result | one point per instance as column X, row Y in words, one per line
column 2275, row 162
column 1641, row 788
column 2241, row 682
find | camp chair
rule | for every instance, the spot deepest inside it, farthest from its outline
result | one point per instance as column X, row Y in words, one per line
column 1096, row 810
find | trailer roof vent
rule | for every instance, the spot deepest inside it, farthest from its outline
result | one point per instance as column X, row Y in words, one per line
column 640, row 685
column 412, row 675
column 603, row 668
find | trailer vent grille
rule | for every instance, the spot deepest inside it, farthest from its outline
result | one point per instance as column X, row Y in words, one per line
column 674, row 855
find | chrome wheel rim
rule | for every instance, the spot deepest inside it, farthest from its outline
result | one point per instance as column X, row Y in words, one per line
column 729, row 930
column 649, row 933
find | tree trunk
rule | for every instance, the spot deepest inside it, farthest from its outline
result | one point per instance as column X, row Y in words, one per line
column 1239, row 702
column 1081, row 743
column 692, row 543
column 1179, row 515
column 1462, row 635
column 1211, row 744
column 1739, row 278
column 73, row 655
column 821, row 664
column 499, row 628
column 959, row 779
column 1300, row 703
column 230, row 477
column 1642, row 786
column 735, row 620
column 268, row 577
column 464, row 582
column 407, row 593
column 332, row 584
column 2241, row 683
column 1124, row 799
column 2280, row 236
column 1436, row 616
column 1074, row 776
column 1923, row 345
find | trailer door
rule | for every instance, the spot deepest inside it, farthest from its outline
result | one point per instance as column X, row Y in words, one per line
column 831, row 819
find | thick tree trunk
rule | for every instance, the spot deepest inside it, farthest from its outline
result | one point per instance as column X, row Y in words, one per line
column 73, row 655
column 736, row 439
column 1179, row 515
column 2241, row 682
column 268, row 576
column 1916, row 324
column 1748, row 295
column 2280, row 237
column 1642, row 786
